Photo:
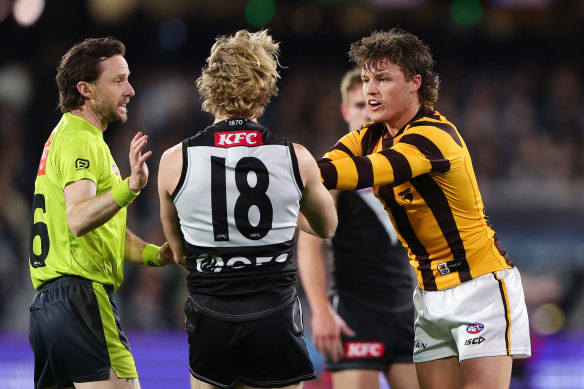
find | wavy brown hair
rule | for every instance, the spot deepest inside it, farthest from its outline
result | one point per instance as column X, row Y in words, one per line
column 81, row 63
column 240, row 75
column 405, row 50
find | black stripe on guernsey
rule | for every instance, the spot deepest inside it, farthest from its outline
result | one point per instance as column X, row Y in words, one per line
column 446, row 127
column 364, row 172
column 328, row 172
column 219, row 196
column 183, row 173
column 430, row 151
column 405, row 229
column 402, row 170
column 505, row 302
column 371, row 138
column 340, row 146
column 295, row 167
column 243, row 250
column 502, row 251
column 436, row 200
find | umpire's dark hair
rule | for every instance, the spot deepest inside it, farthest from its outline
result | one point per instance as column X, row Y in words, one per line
column 405, row 50
column 81, row 63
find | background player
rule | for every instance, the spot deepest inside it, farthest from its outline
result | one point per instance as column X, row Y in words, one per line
column 368, row 324
column 229, row 203
column 471, row 318
column 79, row 240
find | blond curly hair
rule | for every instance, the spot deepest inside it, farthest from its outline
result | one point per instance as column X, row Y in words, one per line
column 350, row 79
column 240, row 75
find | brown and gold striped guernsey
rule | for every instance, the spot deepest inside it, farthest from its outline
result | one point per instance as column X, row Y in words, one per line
column 425, row 180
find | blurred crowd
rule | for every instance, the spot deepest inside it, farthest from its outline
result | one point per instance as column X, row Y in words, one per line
column 522, row 118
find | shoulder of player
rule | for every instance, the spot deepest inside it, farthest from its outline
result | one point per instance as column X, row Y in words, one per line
column 302, row 153
column 352, row 142
column 170, row 168
column 306, row 162
column 76, row 143
column 372, row 126
column 377, row 127
column 172, row 154
column 437, row 130
column 75, row 138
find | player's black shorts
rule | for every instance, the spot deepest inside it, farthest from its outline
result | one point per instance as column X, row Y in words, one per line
column 381, row 338
column 264, row 353
column 75, row 334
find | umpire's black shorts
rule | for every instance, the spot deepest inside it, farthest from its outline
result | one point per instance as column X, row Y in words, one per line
column 264, row 353
column 75, row 334
column 382, row 338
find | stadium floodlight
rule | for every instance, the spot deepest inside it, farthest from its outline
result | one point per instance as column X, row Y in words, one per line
column 27, row 12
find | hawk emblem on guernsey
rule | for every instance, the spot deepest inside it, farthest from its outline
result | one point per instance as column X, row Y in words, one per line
column 406, row 195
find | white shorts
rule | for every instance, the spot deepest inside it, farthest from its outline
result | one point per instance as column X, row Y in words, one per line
column 483, row 317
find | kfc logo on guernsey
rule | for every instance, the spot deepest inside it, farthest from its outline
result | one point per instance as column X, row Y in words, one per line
column 364, row 350
column 238, row 138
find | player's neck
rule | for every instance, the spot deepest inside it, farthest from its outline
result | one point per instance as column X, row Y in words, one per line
column 394, row 126
column 89, row 116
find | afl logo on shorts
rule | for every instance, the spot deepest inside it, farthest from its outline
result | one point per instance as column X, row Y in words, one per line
column 475, row 328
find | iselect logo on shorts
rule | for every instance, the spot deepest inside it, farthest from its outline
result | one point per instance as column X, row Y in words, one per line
column 364, row 350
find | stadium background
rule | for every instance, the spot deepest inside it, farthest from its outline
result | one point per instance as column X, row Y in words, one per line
column 512, row 82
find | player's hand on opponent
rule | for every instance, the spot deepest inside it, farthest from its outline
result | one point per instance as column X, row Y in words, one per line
column 139, row 174
column 327, row 327
column 165, row 255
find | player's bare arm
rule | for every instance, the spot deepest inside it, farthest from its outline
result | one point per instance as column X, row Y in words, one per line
column 327, row 325
column 85, row 210
column 171, row 165
column 134, row 246
column 316, row 204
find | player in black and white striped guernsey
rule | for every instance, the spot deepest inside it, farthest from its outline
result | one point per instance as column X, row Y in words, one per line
column 230, row 201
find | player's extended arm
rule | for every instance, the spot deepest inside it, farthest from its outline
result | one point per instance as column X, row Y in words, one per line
column 316, row 204
column 171, row 165
column 395, row 165
column 327, row 325
column 86, row 211
column 134, row 248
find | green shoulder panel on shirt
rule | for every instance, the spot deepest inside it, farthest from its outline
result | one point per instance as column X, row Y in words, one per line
column 75, row 151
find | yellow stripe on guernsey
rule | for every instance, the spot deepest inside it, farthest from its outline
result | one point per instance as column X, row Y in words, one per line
column 385, row 170
column 425, row 180
column 120, row 357
column 348, row 180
